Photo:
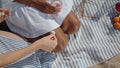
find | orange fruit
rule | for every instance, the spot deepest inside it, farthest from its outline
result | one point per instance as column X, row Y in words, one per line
column 117, row 25
column 116, row 19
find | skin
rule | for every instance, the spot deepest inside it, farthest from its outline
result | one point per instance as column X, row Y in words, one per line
column 41, row 5
column 70, row 25
column 6, row 14
column 47, row 43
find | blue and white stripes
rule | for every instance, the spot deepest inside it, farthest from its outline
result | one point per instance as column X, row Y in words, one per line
column 96, row 41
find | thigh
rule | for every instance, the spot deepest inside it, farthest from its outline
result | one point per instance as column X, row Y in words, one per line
column 71, row 23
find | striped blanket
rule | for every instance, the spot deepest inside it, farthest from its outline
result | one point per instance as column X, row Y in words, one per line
column 96, row 40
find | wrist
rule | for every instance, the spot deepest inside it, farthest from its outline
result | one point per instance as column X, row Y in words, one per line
column 36, row 45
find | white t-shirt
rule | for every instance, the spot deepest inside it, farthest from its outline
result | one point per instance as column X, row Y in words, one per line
column 31, row 23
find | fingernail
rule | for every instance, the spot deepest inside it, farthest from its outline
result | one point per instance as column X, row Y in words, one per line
column 56, row 4
column 52, row 38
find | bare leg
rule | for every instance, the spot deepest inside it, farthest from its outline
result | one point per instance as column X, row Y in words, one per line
column 62, row 40
column 71, row 24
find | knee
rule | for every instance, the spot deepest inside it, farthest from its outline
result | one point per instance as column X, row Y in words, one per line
column 72, row 27
column 71, row 24
column 61, row 45
column 76, row 26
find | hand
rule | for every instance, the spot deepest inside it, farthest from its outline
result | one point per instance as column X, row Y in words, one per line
column 4, row 13
column 47, row 43
column 41, row 5
column 46, row 7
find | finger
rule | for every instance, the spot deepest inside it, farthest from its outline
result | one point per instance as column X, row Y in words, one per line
column 2, row 14
column 57, row 10
column 56, row 4
column 53, row 38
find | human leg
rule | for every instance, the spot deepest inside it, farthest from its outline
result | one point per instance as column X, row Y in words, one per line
column 71, row 23
column 61, row 38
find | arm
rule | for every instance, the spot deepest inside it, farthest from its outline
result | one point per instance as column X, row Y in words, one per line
column 41, row 5
column 13, row 56
column 45, row 44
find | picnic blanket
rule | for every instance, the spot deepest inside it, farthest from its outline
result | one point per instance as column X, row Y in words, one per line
column 96, row 41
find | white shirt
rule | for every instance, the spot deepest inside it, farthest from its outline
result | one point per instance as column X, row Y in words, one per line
column 30, row 22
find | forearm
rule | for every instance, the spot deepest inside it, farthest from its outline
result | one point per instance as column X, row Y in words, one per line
column 13, row 56
column 41, row 5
